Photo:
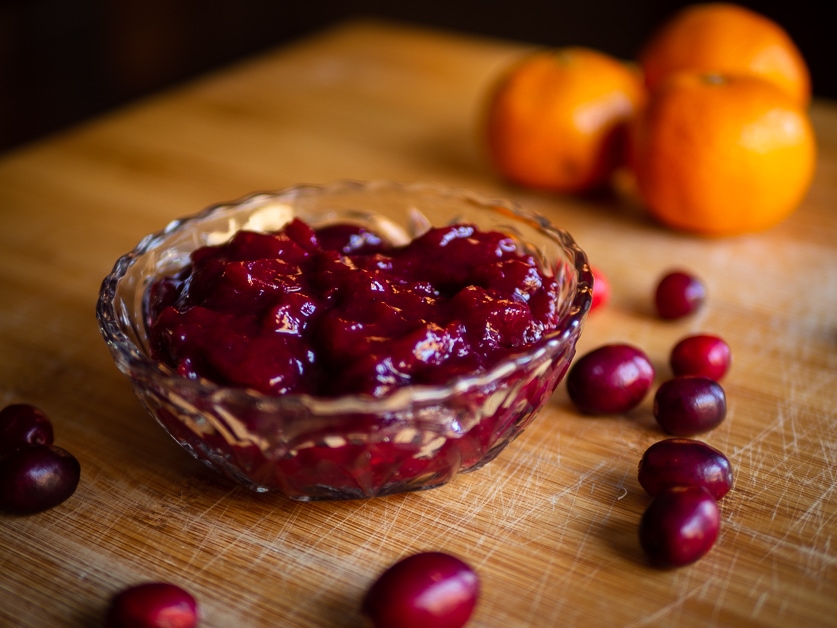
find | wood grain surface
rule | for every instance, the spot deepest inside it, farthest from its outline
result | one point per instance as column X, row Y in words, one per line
column 551, row 525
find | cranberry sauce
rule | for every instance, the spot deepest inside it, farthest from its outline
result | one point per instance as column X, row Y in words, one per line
column 337, row 310
column 425, row 589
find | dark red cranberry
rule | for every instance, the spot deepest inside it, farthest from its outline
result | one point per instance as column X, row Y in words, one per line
column 23, row 425
column 609, row 380
column 422, row 590
column 679, row 294
column 37, row 478
column 680, row 525
column 702, row 354
column 152, row 605
column 689, row 405
column 684, row 462
column 601, row 289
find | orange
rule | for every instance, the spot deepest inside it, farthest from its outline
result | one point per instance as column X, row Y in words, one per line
column 722, row 154
column 726, row 38
column 557, row 119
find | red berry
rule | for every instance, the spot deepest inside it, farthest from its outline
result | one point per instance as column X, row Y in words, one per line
column 37, row 478
column 23, row 425
column 680, row 525
column 423, row 590
column 601, row 289
column 678, row 294
column 702, row 354
column 684, row 462
column 152, row 605
column 689, row 405
column 610, row 380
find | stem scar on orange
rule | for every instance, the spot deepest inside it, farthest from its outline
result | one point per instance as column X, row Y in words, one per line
column 727, row 38
column 557, row 120
column 722, row 154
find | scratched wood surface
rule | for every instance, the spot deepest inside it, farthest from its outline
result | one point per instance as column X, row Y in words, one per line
column 551, row 526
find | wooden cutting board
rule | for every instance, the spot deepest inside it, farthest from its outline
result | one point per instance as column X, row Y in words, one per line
column 551, row 525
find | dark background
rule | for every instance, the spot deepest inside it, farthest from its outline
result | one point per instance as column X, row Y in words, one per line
column 62, row 61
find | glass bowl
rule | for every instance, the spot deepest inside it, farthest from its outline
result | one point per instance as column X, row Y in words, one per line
column 352, row 446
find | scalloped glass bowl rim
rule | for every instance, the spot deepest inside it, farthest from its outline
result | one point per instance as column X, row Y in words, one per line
column 134, row 362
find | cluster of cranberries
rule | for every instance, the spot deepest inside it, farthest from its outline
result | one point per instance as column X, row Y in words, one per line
column 685, row 477
column 35, row 475
column 615, row 378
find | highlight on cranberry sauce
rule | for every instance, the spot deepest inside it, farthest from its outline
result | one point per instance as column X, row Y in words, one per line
column 348, row 340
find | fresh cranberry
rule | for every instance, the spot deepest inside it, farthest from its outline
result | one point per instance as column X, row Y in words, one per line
column 37, row 478
column 23, row 425
column 601, row 289
column 152, row 605
column 702, row 354
column 689, row 405
column 679, row 294
column 684, row 462
column 680, row 525
column 428, row 589
column 610, row 380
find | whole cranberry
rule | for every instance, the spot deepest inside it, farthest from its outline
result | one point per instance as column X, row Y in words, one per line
column 427, row 589
column 611, row 379
column 689, row 405
column 678, row 294
column 152, row 605
column 37, row 478
column 23, row 425
column 684, row 462
column 701, row 354
column 601, row 289
column 680, row 525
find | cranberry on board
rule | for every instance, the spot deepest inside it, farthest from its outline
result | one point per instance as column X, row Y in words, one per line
column 689, row 405
column 678, row 294
column 601, row 289
column 334, row 311
column 152, row 605
column 701, row 354
column 680, row 525
column 684, row 462
column 37, row 478
column 430, row 589
column 23, row 425
column 611, row 379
